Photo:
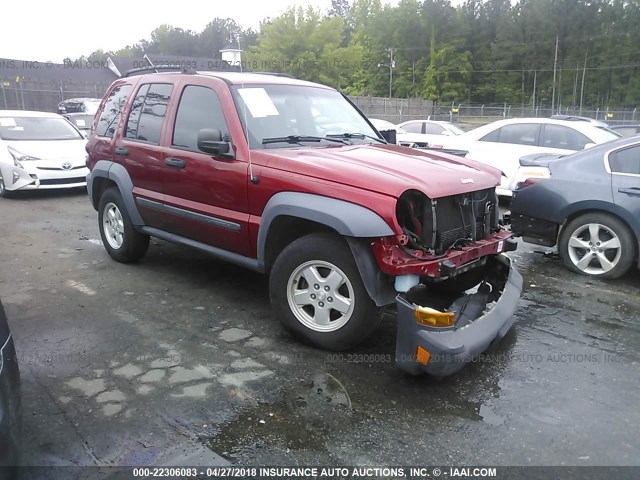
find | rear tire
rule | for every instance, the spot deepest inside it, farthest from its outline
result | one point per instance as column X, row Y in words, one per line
column 121, row 240
column 317, row 293
column 597, row 244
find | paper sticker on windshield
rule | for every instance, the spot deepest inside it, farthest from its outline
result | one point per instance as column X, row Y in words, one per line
column 7, row 122
column 80, row 122
column 258, row 102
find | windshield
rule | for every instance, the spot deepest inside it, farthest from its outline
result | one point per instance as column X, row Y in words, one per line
column 37, row 128
column 607, row 134
column 294, row 114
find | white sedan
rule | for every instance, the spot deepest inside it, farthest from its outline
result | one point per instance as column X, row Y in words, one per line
column 40, row 150
column 427, row 133
column 502, row 143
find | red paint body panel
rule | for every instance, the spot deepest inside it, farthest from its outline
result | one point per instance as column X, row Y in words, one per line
column 373, row 176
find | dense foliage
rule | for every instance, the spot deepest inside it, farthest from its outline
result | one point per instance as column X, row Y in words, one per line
column 488, row 51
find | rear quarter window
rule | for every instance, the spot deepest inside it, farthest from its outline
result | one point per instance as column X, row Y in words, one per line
column 112, row 110
column 625, row 161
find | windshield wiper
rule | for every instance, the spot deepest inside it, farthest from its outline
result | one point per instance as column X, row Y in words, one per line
column 354, row 135
column 302, row 138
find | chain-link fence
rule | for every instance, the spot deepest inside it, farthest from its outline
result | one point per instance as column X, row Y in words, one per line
column 473, row 114
column 44, row 96
column 394, row 110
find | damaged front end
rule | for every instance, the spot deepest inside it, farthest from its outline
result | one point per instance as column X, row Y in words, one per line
column 457, row 291
column 439, row 333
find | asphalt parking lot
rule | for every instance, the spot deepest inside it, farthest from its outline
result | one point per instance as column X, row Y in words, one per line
column 178, row 359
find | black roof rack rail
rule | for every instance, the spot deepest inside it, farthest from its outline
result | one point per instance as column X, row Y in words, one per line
column 275, row 74
column 151, row 69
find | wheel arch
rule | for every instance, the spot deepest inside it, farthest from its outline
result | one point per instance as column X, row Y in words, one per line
column 289, row 216
column 106, row 174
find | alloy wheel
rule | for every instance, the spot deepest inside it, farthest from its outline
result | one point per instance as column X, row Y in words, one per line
column 113, row 225
column 320, row 296
column 594, row 248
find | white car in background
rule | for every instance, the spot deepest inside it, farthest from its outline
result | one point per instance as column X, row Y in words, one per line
column 427, row 133
column 383, row 125
column 40, row 150
column 502, row 143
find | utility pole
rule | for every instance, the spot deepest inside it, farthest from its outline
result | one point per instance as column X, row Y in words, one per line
column 584, row 71
column 555, row 64
column 535, row 77
column 391, row 65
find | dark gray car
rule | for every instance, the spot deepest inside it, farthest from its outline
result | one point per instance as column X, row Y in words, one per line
column 589, row 206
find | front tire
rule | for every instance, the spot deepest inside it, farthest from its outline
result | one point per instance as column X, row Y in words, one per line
column 121, row 240
column 598, row 245
column 4, row 193
column 317, row 293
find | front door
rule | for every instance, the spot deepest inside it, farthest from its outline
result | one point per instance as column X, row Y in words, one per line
column 205, row 196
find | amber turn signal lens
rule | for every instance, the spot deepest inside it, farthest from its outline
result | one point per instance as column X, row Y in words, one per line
column 434, row 318
column 422, row 356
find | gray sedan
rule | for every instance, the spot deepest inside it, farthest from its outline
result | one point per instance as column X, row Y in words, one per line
column 587, row 203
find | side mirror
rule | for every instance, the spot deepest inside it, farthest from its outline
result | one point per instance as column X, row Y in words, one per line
column 446, row 133
column 589, row 145
column 210, row 141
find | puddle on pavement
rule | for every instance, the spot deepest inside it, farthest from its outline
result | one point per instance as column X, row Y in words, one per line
column 302, row 420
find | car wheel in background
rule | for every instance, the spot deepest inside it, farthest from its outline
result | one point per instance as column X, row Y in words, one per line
column 317, row 293
column 597, row 244
column 121, row 240
column 3, row 191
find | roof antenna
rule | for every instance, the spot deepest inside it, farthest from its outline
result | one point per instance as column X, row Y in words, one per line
column 252, row 177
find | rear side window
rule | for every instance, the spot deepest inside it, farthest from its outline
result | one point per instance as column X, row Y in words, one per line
column 148, row 111
column 108, row 121
column 519, row 133
column 199, row 108
column 559, row 136
column 626, row 160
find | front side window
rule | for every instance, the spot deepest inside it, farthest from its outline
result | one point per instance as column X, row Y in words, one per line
column 108, row 121
column 559, row 136
column 199, row 108
column 626, row 160
column 434, row 129
column 415, row 127
column 519, row 133
column 288, row 116
column 37, row 128
column 147, row 113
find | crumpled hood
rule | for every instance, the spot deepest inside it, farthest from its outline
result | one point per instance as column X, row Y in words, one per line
column 387, row 169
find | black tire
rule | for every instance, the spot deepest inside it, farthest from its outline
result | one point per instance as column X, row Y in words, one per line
column 134, row 244
column 357, row 323
column 610, row 224
column 4, row 193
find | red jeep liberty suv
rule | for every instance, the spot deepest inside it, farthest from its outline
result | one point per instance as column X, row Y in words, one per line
column 288, row 178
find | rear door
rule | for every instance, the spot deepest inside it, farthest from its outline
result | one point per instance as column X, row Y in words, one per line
column 624, row 166
column 139, row 148
column 206, row 195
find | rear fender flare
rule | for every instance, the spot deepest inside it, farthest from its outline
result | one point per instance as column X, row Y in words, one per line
column 119, row 175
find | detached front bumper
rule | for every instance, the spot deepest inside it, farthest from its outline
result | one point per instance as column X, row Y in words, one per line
column 448, row 349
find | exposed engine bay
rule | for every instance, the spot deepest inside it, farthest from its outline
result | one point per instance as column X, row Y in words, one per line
column 436, row 226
